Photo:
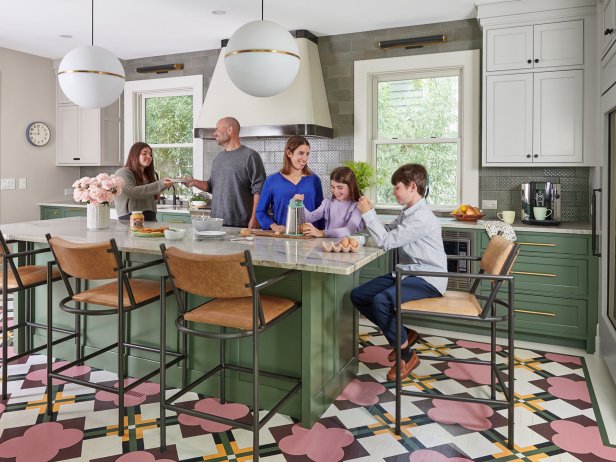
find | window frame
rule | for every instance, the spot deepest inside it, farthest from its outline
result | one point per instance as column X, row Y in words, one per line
column 467, row 65
column 135, row 94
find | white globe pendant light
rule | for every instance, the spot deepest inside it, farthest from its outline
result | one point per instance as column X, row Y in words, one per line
column 262, row 58
column 90, row 76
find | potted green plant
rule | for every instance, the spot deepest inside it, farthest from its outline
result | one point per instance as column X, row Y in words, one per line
column 364, row 173
column 199, row 200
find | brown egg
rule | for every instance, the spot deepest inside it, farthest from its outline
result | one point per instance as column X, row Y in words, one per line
column 345, row 248
column 344, row 242
column 353, row 243
column 304, row 228
column 245, row 232
column 327, row 246
column 336, row 248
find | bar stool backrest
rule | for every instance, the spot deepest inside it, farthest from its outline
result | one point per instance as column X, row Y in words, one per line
column 497, row 259
column 4, row 250
column 85, row 260
column 214, row 276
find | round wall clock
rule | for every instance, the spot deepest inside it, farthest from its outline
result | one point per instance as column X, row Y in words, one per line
column 38, row 134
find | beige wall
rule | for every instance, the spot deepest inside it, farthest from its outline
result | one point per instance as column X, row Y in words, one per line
column 27, row 94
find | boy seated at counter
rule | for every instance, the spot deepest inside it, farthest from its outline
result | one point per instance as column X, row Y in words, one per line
column 416, row 232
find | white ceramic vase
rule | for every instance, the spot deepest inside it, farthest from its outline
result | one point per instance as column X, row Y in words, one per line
column 97, row 216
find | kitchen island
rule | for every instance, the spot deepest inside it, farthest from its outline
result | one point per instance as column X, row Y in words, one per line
column 319, row 342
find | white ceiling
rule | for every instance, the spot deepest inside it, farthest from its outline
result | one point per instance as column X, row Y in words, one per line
column 139, row 28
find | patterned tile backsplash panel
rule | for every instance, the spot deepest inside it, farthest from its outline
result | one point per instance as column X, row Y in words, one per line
column 503, row 184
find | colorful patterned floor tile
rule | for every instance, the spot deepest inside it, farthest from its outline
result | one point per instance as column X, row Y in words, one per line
column 555, row 416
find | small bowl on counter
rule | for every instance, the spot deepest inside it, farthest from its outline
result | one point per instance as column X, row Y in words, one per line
column 175, row 234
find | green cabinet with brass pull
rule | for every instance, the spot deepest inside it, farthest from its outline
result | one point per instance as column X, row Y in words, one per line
column 48, row 212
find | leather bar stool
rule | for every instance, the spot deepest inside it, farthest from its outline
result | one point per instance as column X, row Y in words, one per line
column 103, row 261
column 21, row 279
column 491, row 309
column 237, row 309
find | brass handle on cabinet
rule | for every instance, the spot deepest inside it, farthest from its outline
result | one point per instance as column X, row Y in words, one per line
column 528, row 273
column 538, row 313
column 537, row 244
column 176, row 221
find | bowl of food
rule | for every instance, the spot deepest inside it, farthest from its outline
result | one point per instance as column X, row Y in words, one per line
column 467, row 212
column 175, row 234
column 204, row 223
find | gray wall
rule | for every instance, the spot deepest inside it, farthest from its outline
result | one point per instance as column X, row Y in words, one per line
column 338, row 53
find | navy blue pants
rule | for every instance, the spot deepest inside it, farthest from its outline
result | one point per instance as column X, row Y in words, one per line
column 376, row 300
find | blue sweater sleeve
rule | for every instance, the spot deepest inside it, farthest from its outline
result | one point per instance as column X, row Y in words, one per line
column 265, row 201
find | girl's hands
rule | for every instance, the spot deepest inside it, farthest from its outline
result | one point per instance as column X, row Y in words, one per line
column 308, row 229
column 364, row 205
column 278, row 228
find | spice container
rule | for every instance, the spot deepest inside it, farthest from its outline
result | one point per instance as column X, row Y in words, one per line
column 136, row 220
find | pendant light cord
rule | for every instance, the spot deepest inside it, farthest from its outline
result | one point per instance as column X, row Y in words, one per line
column 92, row 31
column 261, row 10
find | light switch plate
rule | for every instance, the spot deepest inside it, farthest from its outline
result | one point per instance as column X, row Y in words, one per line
column 68, row 191
column 7, row 183
column 489, row 204
column 23, row 184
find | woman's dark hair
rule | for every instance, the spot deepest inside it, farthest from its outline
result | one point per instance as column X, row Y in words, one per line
column 132, row 163
column 346, row 176
column 411, row 173
column 292, row 144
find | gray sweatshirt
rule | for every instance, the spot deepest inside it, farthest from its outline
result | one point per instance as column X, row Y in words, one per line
column 136, row 197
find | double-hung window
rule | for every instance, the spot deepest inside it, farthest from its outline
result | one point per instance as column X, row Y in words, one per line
column 420, row 109
column 162, row 113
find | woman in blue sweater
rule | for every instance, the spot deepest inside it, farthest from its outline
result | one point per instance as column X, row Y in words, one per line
column 293, row 178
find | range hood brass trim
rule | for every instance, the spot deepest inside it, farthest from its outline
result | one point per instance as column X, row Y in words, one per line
column 272, row 130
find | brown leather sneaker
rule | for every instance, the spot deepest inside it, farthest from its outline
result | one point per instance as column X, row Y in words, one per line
column 406, row 366
column 411, row 339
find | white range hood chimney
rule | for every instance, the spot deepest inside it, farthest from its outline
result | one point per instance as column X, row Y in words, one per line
column 299, row 110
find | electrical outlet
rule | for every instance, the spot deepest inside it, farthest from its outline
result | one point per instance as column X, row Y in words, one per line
column 489, row 204
column 7, row 183
column 23, row 184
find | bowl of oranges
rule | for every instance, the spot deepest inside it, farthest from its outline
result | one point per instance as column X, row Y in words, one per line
column 467, row 212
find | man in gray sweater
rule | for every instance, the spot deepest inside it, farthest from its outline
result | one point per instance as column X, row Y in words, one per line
column 236, row 179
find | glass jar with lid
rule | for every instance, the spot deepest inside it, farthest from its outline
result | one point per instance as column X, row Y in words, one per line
column 136, row 220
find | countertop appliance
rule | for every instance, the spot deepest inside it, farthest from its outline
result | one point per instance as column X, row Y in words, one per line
column 540, row 194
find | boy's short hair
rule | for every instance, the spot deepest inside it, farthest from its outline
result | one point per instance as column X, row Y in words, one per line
column 411, row 173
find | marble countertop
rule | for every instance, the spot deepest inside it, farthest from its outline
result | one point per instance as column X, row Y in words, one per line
column 300, row 254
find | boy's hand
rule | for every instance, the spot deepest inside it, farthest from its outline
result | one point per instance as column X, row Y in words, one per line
column 364, row 205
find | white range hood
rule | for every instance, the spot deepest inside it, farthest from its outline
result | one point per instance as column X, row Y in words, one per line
column 299, row 110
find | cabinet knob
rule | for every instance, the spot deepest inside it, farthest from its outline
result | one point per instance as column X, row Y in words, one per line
column 609, row 31
column 528, row 156
column 536, row 60
column 529, row 61
column 536, row 155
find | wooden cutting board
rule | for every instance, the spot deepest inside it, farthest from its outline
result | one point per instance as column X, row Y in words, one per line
column 270, row 233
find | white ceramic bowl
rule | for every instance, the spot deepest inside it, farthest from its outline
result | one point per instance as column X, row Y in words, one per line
column 174, row 234
column 198, row 203
column 360, row 238
column 206, row 223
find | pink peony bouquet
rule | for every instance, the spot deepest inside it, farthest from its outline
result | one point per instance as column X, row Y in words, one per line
column 101, row 189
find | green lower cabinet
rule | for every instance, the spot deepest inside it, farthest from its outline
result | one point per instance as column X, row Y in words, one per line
column 50, row 212
column 375, row 268
column 173, row 217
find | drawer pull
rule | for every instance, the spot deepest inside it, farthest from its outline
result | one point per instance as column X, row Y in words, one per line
column 176, row 221
column 537, row 244
column 538, row 313
column 528, row 273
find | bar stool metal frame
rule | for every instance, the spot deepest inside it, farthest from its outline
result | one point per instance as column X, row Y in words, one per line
column 22, row 279
column 495, row 265
column 137, row 292
column 194, row 267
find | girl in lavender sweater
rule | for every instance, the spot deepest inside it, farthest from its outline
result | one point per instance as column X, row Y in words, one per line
column 340, row 213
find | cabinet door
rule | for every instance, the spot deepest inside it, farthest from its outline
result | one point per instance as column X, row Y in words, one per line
column 509, row 106
column 49, row 213
column 509, row 48
column 559, row 44
column 558, row 116
column 67, row 142
column 608, row 19
column 90, row 136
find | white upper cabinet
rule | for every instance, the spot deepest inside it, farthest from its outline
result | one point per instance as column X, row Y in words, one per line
column 537, row 46
column 608, row 24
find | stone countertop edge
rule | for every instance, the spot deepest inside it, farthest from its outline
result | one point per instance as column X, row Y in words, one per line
column 298, row 254
column 80, row 205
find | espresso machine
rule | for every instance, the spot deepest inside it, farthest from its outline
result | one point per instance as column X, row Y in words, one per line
column 541, row 194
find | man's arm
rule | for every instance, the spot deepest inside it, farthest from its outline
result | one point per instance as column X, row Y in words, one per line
column 253, row 223
column 199, row 184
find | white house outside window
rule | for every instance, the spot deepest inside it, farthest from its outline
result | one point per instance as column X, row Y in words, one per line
column 421, row 109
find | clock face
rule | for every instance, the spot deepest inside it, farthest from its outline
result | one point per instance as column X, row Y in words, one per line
column 38, row 134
